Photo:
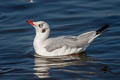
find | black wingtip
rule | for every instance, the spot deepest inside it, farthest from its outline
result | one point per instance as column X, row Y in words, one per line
column 102, row 29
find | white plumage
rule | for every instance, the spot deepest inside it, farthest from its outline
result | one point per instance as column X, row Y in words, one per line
column 63, row 45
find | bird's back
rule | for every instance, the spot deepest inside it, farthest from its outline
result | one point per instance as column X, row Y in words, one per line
column 69, row 41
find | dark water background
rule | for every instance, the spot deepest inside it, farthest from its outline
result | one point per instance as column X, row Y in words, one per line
column 101, row 61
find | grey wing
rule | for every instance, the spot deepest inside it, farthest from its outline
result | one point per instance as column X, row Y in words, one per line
column 59, row 42
column 69, row 41
column 87, row 37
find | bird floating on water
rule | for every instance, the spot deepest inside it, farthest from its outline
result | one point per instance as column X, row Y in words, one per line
column 61, row 45
column 31, row 1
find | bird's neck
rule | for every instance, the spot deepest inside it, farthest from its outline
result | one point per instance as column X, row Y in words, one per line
column 39, row 40
column 40, row 37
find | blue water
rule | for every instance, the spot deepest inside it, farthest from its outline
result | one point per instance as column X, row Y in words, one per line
column 101, row 61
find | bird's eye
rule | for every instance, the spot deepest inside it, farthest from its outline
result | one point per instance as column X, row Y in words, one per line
column 40, row 25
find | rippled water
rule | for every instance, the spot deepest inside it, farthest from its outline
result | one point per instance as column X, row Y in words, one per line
column 101, row 61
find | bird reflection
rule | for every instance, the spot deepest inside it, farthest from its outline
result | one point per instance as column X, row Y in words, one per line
column 43, row 64
column 106, row 69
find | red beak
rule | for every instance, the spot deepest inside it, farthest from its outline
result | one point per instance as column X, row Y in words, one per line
column 30, row 22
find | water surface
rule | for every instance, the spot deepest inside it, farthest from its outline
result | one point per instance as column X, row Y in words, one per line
column 101, row 61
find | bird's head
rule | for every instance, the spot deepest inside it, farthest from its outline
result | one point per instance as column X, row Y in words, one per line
column 41, row 27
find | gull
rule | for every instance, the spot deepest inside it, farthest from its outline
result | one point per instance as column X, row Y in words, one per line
column 31, row 1
column 61, row 45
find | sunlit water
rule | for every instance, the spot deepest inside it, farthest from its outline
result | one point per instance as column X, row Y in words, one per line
column 101, row 61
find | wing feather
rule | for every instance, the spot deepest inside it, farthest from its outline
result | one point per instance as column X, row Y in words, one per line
column 70, row 41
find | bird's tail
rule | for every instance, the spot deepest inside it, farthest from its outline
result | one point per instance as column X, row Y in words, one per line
column 99, row 31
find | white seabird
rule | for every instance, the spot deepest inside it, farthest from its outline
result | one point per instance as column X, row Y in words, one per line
column 31, row 1
column 62, row 45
